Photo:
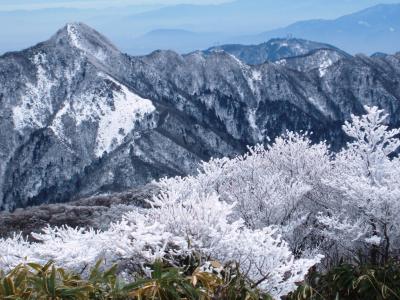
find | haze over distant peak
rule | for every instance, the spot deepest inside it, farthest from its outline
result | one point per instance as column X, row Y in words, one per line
column 128, row 25
column 375, row 29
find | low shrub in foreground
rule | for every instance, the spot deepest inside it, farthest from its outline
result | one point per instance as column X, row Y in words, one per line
column 351, row 282
column 34, row 281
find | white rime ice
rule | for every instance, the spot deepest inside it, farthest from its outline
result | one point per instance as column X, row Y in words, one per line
column 115, row 116
column 276, row 210
column 204, row 224
column 115, row 123
column 36, row 106
column 368, row 176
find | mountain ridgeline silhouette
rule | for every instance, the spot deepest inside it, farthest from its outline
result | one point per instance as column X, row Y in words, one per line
column 78, row 117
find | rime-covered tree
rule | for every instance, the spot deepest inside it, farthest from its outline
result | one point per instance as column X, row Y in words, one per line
column 172, row 229
column 367, row 174
column 277, row 185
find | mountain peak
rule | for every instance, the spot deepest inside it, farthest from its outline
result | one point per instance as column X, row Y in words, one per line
column 84, row 38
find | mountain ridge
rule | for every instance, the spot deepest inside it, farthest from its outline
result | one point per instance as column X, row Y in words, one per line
column 273, row 50
column 75, row 122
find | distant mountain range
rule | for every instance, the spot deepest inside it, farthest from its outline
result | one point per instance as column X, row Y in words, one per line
column 139, row 30
column 183, row 41
column 376, row 29
column 78, row 117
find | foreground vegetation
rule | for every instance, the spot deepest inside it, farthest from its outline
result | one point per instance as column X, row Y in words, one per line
column 352, row 282
column 34, row 281
column 164, row 282
column 277, row 212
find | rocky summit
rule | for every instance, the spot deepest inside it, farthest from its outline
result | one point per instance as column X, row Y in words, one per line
column 78, row 117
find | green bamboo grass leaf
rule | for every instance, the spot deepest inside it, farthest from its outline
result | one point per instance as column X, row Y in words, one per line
column 111, row 271
column 48, row 282
column 51, row 282
column 157, row 270
column 35, row 266
column 9, row 287
column 47, row 266
column 135, row 285
column 77, row 292
column 95, row 271
column 20, row 278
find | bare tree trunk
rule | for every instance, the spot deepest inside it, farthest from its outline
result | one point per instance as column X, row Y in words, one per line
column 374, row 251
column 387, row 244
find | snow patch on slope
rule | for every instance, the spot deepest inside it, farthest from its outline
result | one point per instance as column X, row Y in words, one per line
column 252, row 119
column 256, row 75
column 57, row 125
column 253, row 77
column 325, row 64
column 115, row 116
column 117, row 122
column 281, row 62
column 73, row 36
column 242, row 65
column 36, row 104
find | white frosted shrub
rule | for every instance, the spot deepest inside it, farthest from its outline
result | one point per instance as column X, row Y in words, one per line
column 367, row 174
column 206, row 225
column 171, row 229
column 255, row 209
column 13, row 251
column 279, row 185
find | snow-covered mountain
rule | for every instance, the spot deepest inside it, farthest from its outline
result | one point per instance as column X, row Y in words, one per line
column 273, row 50
column 320, row 59
column 79, row 117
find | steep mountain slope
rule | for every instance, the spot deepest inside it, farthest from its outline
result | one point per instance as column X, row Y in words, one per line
column 375, row 29
column 78, row 117
column 272, row 50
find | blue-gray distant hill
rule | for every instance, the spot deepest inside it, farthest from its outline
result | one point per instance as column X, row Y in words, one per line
column 376, row 29
column 179, row 40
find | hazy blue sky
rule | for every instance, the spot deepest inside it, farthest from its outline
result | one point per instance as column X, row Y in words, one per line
column 40, row 4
